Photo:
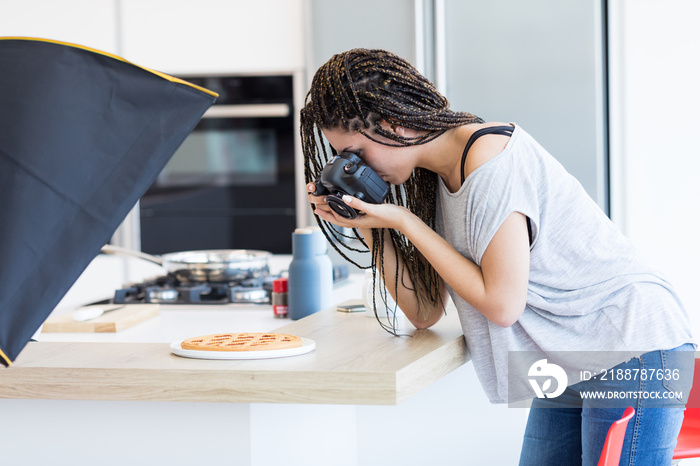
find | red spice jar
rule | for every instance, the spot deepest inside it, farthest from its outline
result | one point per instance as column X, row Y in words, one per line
column 280, row 287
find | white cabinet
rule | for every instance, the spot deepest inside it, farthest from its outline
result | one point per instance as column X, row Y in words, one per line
column 92, row 23
column 175, row 36
column 213, row 36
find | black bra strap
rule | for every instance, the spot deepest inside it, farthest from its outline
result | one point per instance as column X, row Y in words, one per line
column 500, row 130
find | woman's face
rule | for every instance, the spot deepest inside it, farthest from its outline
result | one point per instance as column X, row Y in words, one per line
column 393, row 164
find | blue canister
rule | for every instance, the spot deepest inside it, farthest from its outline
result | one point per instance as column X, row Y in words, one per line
column 304, row 294
column 325, row 264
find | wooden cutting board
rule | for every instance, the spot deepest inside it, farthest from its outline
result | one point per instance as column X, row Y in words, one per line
column 109, row 322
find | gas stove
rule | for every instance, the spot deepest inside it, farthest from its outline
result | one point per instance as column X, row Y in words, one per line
column 169, row 290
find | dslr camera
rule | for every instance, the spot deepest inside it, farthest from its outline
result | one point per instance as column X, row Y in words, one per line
column 347, row 174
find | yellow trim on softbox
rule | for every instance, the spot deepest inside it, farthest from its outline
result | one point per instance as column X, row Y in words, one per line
column 107, row 54
column 7, row 360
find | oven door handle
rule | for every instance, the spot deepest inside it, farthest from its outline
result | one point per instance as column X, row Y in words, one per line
column 248, row 111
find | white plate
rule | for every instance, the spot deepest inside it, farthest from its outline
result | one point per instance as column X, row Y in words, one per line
column 307, row 345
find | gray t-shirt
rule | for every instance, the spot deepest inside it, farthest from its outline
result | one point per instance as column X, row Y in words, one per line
column 589, row 288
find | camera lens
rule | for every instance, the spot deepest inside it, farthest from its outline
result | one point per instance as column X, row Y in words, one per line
column 340, row 208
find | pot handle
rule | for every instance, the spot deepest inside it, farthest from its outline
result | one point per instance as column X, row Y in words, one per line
column 117, row 251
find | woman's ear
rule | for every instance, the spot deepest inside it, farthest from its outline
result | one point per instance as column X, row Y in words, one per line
column 396, row 129
column 400, row 131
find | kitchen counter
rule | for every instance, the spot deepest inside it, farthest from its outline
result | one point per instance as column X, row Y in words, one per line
column 88, row 398
column 355, row 362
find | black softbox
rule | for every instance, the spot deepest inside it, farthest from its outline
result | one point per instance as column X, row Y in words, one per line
column 83, row 134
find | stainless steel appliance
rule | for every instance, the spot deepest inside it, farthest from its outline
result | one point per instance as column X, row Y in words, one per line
column 237, row 276
column 168, row 289
column 211, row 265
column 231, row 183
column 200, row 277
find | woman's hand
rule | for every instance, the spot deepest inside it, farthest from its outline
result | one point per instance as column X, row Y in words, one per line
column 384, row 216
column 370, row 215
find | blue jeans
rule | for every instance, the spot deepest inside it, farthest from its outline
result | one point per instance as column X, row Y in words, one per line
column 571, row 429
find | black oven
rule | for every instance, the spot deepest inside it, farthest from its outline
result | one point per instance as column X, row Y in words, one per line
column 231, row 183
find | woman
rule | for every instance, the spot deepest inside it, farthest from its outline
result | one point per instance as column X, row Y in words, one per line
column 481, row 214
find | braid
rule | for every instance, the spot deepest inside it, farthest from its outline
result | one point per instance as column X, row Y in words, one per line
column 355, row 90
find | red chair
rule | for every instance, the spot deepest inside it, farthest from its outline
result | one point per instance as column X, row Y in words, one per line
column 688, row 444
column 610, row 456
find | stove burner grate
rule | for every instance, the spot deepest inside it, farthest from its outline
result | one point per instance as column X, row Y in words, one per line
column 170, row 290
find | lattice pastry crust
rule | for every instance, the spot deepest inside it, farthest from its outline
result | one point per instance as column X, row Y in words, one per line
column 241, row 342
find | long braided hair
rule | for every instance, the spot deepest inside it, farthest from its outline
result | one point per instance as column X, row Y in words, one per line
column 355, row 90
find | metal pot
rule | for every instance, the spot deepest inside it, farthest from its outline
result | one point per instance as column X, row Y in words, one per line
column 215, row 265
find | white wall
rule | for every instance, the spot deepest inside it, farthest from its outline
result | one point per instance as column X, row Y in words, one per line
column 92, row 23
column 655, row 120
column 182, row 37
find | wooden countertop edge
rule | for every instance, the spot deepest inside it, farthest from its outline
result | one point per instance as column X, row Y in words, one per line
column 196, row 386
column 354, row 364
column 434, row 366
column 239, row 386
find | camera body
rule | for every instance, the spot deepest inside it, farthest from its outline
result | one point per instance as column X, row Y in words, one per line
column 346, row 173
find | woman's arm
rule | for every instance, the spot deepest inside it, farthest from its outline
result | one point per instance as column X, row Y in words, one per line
column 421, row 316
column 497, row 289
